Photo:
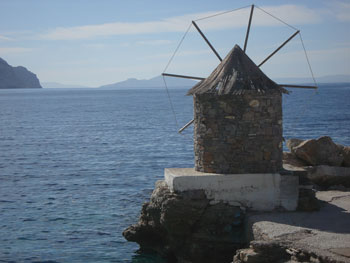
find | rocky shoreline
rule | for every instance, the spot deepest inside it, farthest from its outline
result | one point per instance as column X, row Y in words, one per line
column 187, row 227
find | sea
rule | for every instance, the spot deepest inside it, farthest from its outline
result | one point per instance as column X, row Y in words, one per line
column 77, row 164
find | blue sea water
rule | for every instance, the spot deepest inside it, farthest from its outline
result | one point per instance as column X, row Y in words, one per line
column 76, row 165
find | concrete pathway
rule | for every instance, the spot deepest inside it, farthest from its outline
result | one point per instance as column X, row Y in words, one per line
column 325, row 233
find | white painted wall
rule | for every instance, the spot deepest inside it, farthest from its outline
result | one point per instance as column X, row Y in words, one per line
column 260, row 192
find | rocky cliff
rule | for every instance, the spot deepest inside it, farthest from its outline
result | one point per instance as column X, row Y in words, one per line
column 187, row 227
column 17, row 77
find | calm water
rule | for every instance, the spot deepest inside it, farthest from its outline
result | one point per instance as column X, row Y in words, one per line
column 76, row 165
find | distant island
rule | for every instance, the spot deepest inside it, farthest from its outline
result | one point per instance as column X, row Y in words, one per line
column 17, row 77
column 156, row 82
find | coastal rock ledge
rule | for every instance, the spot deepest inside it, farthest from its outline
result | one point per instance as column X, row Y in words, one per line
column 187, row 227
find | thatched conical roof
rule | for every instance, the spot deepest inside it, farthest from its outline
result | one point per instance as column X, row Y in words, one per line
column 234, row 75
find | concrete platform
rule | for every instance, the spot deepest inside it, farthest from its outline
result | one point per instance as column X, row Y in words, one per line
column 259, row 192
column 325, row 233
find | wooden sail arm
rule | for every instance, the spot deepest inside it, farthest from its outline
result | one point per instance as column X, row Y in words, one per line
column 186, row 126
column 206, row 40
column 248, row 29
column 281, row 46
column 297, row 86
column 181, row 76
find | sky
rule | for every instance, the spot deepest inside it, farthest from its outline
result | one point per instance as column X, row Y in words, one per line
column 98, row 42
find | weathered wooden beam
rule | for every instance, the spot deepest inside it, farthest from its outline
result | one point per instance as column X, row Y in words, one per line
column 297, row 86
column 281, row 46
column 206, row 40
column 181, row 76
column 248, row 29
column 184, row 127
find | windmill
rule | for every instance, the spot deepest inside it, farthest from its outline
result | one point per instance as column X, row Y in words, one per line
column 238, row 112
column 252, row 7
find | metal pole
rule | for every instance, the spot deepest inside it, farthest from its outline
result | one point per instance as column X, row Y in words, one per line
column 181, row 76
column 206, row 40
column 281, row 46
column 248, row 29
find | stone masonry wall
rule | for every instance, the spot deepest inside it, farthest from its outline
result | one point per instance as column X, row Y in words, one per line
column 238, row 133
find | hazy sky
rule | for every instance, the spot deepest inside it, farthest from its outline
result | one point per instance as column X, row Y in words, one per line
column 96, row 42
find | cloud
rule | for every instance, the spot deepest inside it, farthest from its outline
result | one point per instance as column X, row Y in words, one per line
column 3, row 38
column 158, row 42
column 340, row 53
column 341, row 11
column 111, row 29
column 184, row 53
column 13, row 50
column 97, row 46
column 324, row 62
column 293, row 14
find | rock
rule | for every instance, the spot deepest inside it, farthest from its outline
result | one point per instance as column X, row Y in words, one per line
column 291, row 143
column 346, row 156
column 339, row 188
column 16, row 77
column 324, row 176
column 247, row 255
column 303, row 156
column 262, row 252
column 184, row 226
column 291, row 159
column 322, row 151
column 327, row 176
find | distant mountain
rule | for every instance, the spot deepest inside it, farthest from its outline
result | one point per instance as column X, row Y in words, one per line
column 56, row 85
column 17, row 77
column 324, row 79
column 156, row 82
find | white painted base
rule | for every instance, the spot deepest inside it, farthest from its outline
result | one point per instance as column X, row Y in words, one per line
column 259, row 192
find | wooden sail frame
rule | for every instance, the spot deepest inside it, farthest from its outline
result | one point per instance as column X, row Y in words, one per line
column 164, row 74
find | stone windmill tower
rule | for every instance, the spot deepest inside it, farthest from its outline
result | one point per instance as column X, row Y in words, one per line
column 237, row 119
